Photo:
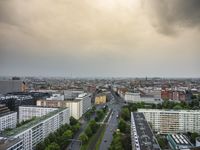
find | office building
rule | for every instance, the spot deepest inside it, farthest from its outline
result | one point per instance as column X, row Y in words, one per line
column 8, row 119
column 173, row 121
column 35, row 131
column 28, row 112
column 86, row 100
column 142, row 137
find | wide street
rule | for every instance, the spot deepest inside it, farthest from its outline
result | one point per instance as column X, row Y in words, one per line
column 115, row 104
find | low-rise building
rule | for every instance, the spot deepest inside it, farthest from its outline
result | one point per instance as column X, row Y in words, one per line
column 8, row 119
column 100, row 98
column 137, row 98
column 28, row 112
column 179, row 142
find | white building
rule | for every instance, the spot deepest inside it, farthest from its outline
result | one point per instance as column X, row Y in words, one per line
column 77, row 107
column 8, row 119
column 136, row 98
column 28, row 112
column 86, row 101
column 72, row 94
column 56, row 97
column 172, row 121
column 35, row 131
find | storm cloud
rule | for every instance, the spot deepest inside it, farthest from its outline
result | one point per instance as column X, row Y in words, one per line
column 100, row 37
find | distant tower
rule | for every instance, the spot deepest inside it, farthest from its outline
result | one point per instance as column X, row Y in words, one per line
column 23, row 87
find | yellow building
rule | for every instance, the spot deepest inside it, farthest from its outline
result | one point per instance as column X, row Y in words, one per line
column 100, row 99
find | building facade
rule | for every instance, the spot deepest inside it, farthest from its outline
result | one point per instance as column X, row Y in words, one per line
column 28, row 112
column 35, row 131
column 100, row 99
column 11, row 144
column 172, row 121
column 8, row 119
column 75, row 106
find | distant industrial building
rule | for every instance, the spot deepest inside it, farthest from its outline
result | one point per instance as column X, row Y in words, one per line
column 179, row 142
column 8, row 119
column 37, row 130
column 173, row 121
column 141, row 135
column 28, row 112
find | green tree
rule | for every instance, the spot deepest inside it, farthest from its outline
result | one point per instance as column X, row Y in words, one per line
column 194, row 136
column 117, row 142
column 40, row 146
column 73, row 121
column 100, row 115
column 88, row 131
column 177, row 107
column 93, row 125
column 53, row 146
column 125, row 114
column 122, row 126
column 68, row 134
column 75, row 127
column 83, row 137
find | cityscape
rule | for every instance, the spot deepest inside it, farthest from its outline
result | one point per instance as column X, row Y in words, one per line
column 99, row 75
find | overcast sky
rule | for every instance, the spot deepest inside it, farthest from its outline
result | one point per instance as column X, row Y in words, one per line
column 104, row 38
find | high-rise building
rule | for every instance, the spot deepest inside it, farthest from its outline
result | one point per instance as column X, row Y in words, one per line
column 142, row 137
column 173, row 121
column 8, row 119
column 7, row 86
column 28, row 112
column 35, row 131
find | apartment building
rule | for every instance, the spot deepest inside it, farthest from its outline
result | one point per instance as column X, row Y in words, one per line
column 136, row 98
column 77, row 107
column 172, row 121
column 35, row 131
column 11, row 144
column 100, row 98
column 142, row 137
column 8, row 119
column 27, row 112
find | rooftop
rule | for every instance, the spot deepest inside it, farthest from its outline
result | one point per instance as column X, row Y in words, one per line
column 31, row 124
column 143, row 132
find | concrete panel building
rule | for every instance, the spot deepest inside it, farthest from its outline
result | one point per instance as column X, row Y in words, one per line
column 173, row 121
column 28, row 112
column 8, row 119
column 35, row 131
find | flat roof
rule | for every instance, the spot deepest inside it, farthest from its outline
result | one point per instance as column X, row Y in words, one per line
column 6, row 143
column 32, row 123
column 146, row 138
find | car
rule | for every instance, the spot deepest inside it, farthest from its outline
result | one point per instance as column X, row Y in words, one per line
column 105, row 140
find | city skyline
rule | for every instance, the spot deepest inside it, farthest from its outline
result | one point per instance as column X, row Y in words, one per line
column 100, row 38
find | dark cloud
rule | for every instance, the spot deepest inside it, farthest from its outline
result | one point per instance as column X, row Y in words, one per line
column 172, row 15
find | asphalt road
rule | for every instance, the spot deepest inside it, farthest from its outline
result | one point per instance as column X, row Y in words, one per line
column 115, row 104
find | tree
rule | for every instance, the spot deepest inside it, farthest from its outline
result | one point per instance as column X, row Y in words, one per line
column 83, row 137
column 76, row 127
column 177, row 107
column 40, row 146
column 53, row 146
column 194, row 136
column 117, row 142
column 73, row 121
column 88, row 131
column 68, row 134
column 93, row 125
column 100, row 115
column 122, row 126
column 125, row 114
